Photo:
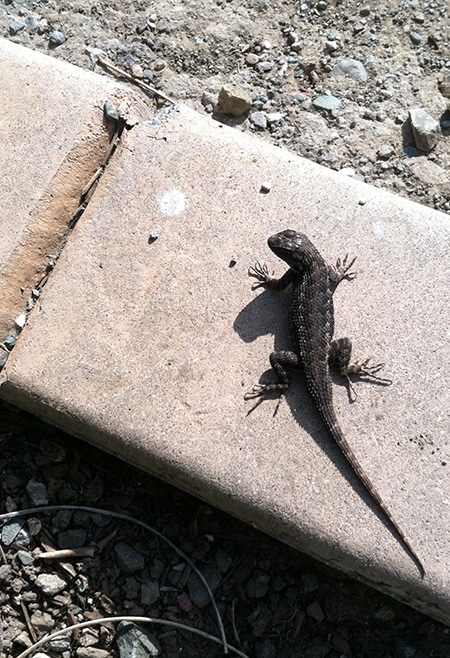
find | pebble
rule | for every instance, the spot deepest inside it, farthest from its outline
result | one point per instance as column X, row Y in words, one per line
column 92, row 652
column 209, row 100
column 444, row 84
column 197, row 592
column 25, row 557
column 136, row 642
column 252, row 59
column 10, row 531
column 265, row 66
column 128, row 560
column 32, row 23
column 351, row 68
column 425, row 128
column 274, row 117
column 328, row 103
column 149, row 592
column 259, row 119
column 233, row 100
column 57, row 38
column 223, row 559
column 72, row 538
column 265, row 648
column 385, row 151
column 136, row 71
column 266, row 187
column 415, row 37
column 37, row 493
column 20, row 321
column 314, row 610
column 15, row 27
column 42, row 621
column 50, row 583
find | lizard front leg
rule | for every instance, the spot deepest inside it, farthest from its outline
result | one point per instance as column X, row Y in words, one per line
column 265, row 278
column 339, row 272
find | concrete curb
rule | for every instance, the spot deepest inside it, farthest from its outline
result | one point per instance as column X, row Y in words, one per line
column 146, row 348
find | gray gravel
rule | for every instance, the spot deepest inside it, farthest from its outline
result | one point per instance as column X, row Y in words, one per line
column 378, row 61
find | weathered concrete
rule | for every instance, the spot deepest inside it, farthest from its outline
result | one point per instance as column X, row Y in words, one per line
column 146, row 348
column 54, row 137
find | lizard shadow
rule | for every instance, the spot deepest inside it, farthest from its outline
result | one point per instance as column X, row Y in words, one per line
column 268, row 314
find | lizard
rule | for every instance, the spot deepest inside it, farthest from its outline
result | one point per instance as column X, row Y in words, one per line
column 311, row 322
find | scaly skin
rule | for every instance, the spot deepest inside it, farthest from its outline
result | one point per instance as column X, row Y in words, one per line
column 311, row 320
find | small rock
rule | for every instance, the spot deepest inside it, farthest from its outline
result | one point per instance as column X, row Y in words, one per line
column 15, row 27
column 259, row 119
column 92, row 652
column 73, row 538
column 20, row 321
column 197, row 592
column 209, row 100
column 415, row 37
column 444, row 84
column 50, row 583
column 60, row 644
column 265, row 187
column 56, row 38
column 37, row 492
column 5, row 572
column 252, row 59
column 23, row 639
column 352, row 68
column 315, row 611
column 385, row 152
column 149, row 592
column 233, row 100
column 159, row 64
column 425, row 128
column 10, row 531
column 265, row 648
column 132, row 640
column 110, row 111
column 136, row 71
column 128, row 559
column 264, row 67
column 32, row 23
column 274, row 117
column 328, row 103
column 42, row 621
column 222, row 557
column 419, row 17
column 25, row 557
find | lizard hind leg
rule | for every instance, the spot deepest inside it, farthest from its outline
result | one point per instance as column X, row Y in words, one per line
column 281, row 363
column 339, row 357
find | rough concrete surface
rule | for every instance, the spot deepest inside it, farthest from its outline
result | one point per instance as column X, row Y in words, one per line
column 55, row 137
column 146, row 348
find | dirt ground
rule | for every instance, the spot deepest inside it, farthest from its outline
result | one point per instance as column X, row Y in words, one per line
column 284, row 54
column 274, row 601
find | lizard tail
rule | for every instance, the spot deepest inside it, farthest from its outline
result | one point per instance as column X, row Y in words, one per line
column 337, row 434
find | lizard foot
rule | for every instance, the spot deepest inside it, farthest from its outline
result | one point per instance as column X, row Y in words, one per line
column 260, row 391
column 261, row 273
column 340, row 271
column 362, row 368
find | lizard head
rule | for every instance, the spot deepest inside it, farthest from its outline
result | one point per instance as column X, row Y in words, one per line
column 292, row 247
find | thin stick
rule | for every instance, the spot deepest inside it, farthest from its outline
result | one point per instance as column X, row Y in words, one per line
column 144, row 85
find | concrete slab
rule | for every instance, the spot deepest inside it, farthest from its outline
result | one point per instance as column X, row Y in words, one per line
column 146, row 348
column 54, row 139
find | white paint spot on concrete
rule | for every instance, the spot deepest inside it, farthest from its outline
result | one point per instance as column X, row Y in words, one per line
column 172, row 203
column 378, row 230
